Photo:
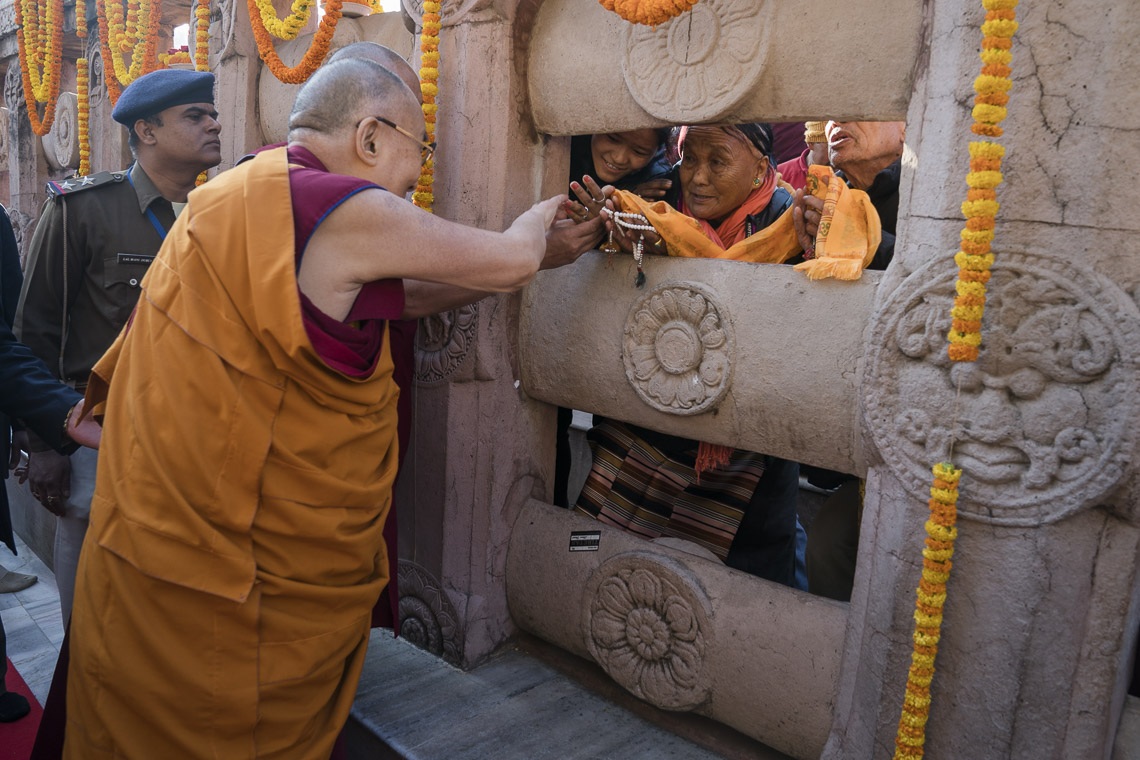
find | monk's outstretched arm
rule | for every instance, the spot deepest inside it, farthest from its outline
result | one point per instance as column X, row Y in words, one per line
column 375, row 235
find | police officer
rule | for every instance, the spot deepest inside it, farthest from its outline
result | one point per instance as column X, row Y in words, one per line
column 95, row 239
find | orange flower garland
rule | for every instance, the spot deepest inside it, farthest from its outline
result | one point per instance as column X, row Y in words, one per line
column 974, row 261
column 173, row 56
column 648, row 12
column 83, row 94
column 313, row 57
column 429, row 77
column 39, row 43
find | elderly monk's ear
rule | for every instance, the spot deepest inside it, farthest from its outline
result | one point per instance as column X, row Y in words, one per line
column 367, row 139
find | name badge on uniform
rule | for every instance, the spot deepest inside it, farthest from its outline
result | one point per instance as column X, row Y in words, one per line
column 134, row 258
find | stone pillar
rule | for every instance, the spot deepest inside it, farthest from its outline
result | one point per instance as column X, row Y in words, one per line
column 235, row 63
column 1041, row 618
column 26, row 165
column 481, row 448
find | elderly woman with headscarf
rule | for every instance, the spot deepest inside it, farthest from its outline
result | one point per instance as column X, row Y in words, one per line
column 738, row 505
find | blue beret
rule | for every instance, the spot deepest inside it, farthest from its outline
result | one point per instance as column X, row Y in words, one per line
column 162, row 89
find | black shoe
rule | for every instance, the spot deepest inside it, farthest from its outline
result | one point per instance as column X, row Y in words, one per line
column 13, row 707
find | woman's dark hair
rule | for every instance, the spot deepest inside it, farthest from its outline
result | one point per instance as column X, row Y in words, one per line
column 760, row 135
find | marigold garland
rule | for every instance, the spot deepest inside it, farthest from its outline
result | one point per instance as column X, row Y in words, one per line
column 289, row 27
column 974, row 260
column 314, row 56
column 980, row 207
column 83, row 95
column 175, row 56
column 80, row 18
column 202, row 36
column 429, row 78
column 136, row 33
column 648, row 12
column 931, row 596
column 39, row 44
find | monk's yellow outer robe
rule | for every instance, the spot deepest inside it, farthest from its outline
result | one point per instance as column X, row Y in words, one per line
column 235, row 548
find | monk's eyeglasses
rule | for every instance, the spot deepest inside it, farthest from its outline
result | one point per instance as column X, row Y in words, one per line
column 427, row 149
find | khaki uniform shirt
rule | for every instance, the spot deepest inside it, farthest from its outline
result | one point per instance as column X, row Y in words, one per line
column 110, row 242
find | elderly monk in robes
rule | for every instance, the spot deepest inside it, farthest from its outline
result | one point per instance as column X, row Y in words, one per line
column 249, row 439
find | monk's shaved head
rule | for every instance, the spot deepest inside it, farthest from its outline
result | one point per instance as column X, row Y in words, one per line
column 342, row 93
column 385, row 56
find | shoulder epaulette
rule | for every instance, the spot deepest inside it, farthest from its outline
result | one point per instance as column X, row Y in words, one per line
column 75, row 184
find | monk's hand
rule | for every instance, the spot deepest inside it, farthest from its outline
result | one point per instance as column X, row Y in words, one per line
column 653, row 190
column 567, row 239
column 806, row 213
column 49, row 477
column 82, row 428
column 530, row 227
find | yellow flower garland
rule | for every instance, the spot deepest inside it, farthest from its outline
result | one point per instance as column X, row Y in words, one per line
column 936, row 556
column 83, row 95
column 981, row 206
column 202, row 36
column 974, row 260
column 429, row 77
column 39, row 44
column 289, row 27
column 648, row 12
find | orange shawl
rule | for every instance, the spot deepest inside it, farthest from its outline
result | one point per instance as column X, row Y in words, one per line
column 845, row 244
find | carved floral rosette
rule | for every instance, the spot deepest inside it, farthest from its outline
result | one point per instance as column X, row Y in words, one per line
column 648, row 623
column 679, row 348
column 443, row 343
column 699, row 65
column 427, row 617
column 1047, row 416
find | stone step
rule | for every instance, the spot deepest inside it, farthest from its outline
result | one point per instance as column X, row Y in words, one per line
column 415, row 706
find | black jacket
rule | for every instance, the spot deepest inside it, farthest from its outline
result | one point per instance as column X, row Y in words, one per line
column 28, row 390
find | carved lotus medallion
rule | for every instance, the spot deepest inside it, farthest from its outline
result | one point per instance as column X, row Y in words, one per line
column 1043, row 423
column 678, row 349
column 699, row 65
column 427, row 617
column 443, row 342
column 647, row 623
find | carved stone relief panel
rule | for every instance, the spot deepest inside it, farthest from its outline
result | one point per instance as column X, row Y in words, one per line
column 452, row 12
column 97, row 85
column 61, row 143
column 679, row 348
column 1047, row 416
column 427, row 617
column 14, row 89
column 648, row 623
column 443, row 343
column 4, row 142
column 700, row 65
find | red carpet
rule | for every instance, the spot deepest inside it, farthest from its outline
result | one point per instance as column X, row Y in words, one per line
column 16, row 738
